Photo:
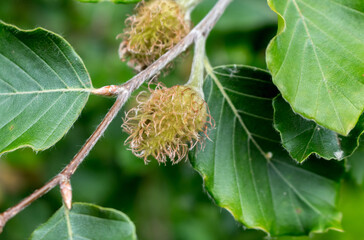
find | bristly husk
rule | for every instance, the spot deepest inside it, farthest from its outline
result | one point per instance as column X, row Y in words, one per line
column 167, row 124
column 157, row 26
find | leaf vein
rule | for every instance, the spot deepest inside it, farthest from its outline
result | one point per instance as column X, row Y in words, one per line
column 217, row 137
column 232, row 76
column 22, row 70
column 247, row 95
column 8, row 84
column 62, row 90
column 254, row 115
column 34, row 122
column 69, row 62
column 235, row 167
column 61, row 119
column 295, row 190
column 24, row 107
column 39, row 57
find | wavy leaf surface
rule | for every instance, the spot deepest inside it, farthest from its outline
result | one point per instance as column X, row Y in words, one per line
column 317, row 59
column 86, row 222
column 44, row 85
column 302, row 137
column 356, row 165
column 247, row 171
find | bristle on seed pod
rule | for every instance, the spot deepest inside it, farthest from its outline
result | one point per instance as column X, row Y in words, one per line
column 168, row 123
column 157, row 26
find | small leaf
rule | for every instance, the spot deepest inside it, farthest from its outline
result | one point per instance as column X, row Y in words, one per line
column 302, row 137
column 356, row 165
column 114, row 1
column 317, row 59
column 44, row 85
column 245, row 168
column 86, row 221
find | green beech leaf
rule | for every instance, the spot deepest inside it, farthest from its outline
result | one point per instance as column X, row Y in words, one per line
column 356, row 165
column 43, row 87
column 114, row 1
column 302, row 137
column 247, row 171
column 86, row 221
column 317, row 59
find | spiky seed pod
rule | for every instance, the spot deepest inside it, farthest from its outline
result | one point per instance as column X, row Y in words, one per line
column 167, row 124
column 157, row 26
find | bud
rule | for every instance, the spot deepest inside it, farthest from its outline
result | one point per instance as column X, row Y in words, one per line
column 157, row 27
column 66, row 193
column 2, row 223
column 167, row 124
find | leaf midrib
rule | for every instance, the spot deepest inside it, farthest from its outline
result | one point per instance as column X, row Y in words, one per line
column 251, row 138
column 324, row 80
column 327, row 34
column 68, row 222
column 210, row 71
column 61, row 90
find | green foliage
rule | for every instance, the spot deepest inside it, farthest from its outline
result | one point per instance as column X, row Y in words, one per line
column 43, row 88
column 316, row 59
column 302, row 137
column 86, row 221
column 356, row 165
column 246, row 170
column 351, row 204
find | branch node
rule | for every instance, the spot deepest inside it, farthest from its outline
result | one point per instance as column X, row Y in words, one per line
column 66, row 191
column 111, row 90
column 122, row 92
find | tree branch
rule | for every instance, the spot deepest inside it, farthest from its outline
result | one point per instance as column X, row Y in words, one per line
column 123, row 93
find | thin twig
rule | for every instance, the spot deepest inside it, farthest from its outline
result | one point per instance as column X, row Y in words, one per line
column 123, row 93
column 71, row 167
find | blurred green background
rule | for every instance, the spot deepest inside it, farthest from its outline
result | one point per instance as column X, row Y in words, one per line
column 164, row 202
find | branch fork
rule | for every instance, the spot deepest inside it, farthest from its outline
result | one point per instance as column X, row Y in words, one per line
column 122, row 92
